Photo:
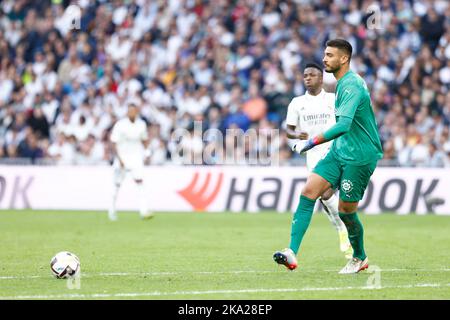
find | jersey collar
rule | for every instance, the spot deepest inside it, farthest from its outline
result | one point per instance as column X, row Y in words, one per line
column 320, row 93
column 345, row 75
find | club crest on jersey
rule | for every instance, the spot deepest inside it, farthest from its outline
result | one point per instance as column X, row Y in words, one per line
column 346, row 185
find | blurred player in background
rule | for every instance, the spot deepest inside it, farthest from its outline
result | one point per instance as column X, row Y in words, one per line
column 350, row 163
column 129, row 138
column 309, row 115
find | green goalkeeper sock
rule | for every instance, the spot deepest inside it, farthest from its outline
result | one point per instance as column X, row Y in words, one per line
column 355, row 233
column 300, row 222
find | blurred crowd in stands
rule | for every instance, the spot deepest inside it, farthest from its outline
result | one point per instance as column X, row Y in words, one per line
column 229, row 64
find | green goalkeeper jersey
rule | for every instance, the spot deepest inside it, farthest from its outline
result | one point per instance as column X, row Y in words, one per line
column 361, row 144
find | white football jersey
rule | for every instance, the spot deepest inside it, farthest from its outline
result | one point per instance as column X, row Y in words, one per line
column 128, row 137
column 314, row 115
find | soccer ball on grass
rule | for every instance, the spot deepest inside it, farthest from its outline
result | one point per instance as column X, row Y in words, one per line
column 65, row 265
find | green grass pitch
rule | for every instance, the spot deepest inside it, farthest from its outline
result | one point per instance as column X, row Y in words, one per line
column 218, row 256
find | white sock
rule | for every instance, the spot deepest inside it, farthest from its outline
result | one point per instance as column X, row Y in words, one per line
column 332, row 205
column 142, row 199
column 114, row 197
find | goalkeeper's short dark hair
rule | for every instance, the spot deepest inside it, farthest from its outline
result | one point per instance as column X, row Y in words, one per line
column 341, row 44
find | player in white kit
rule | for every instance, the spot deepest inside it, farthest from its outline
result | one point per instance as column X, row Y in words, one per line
column 129, row 137
column 309, row 115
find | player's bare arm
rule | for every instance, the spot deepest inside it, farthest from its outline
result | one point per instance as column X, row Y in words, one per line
column 291, row 133
column 147, row 152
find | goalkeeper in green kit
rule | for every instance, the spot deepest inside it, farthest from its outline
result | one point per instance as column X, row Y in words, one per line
column 348, row 165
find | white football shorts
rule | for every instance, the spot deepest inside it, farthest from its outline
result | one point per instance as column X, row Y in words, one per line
column 135, row 168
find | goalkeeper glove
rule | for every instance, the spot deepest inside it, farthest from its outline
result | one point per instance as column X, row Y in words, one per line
column 311, row 143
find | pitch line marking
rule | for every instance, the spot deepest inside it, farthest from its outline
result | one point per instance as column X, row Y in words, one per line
column 183, row 293
column 401, row 270
column 174, row 273
column 126, row 274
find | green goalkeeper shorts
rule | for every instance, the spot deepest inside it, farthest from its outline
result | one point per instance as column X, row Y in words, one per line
column 351, row 180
